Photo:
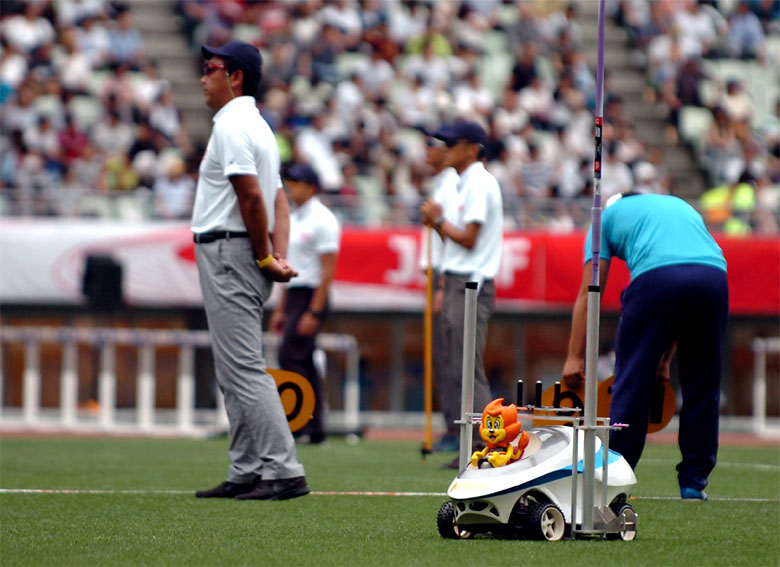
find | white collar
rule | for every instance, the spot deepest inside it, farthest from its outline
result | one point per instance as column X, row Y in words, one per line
column 236, row 103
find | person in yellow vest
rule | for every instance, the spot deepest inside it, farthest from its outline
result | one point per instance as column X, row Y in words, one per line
column 728, row 206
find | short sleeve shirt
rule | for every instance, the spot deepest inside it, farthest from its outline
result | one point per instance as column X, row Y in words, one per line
column 477, row 199
column 314, row 231
column 652, row 231
column 241, row 143
column 444, row 184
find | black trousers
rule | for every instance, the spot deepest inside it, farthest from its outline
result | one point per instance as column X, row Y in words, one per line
column 296, row 354
column 688, row 304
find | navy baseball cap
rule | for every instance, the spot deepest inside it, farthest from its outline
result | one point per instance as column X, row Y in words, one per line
column 462, row 130
column 304, row 173
column 242, row 55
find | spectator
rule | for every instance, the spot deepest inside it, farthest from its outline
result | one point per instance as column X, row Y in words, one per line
column 92, row 39
column 720, row 142
column 537, row 100
column 42, row 138
column 746, row 37
column 737, row 103
column 616, row 176
column 728, row 206
column 72, row 141
column 524, row 70
column 166, row 118
column 74, row 68
column 125, row 42
column 315, row 145
column 20, row 113
column 13, row 68
column 536, row 175
column 111, row 135
column 30, row 30
column 174, row 191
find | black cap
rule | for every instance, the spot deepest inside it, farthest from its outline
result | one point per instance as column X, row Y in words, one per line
column 304, row 173
column 243, row 56
column 462, row 130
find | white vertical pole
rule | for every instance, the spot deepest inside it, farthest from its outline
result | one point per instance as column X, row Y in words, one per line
column 32, row 382
column 145, row 388
column 352, row 391
column 185, row 388
column 591, row 392
column 2, row 379
column 69, row 383
column 107, row 385
column 594, row 298
column 469, row 355
column 221, row 417
column 759, row 386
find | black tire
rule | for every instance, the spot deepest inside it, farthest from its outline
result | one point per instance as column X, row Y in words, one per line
column 445, row 521
column 545, row 521
column 627, row 511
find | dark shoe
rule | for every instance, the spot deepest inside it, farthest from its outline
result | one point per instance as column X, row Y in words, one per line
column 447, row 444
column 313, row 439
column 226, row 490
column 277, row 489
column 687, row 493
column 454, row 464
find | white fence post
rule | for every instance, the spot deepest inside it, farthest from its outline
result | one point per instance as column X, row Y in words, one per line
column 69, row 383
column 185, row 388
column 761, row 347
column 31, row 393
column 146, row 395
column 107, row 384
column 146, row 341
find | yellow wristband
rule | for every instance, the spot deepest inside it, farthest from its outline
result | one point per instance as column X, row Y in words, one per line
column 265, row 261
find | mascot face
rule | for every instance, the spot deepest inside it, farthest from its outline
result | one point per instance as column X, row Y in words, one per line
column 492, row 431
column 499, row 424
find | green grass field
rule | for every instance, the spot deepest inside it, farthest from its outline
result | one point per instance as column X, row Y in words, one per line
column 142, row 512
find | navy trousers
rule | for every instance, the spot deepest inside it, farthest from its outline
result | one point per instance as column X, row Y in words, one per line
column 296, row 354
column 688, row 304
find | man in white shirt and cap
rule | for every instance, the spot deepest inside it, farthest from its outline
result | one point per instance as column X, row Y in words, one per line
column 239, row 247
column 315, row 237
column 471, row 225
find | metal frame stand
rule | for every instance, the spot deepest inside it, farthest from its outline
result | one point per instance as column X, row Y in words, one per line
column 602, row 520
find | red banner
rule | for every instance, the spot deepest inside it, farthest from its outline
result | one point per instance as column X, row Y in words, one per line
column 546, row 270
column 378, row 269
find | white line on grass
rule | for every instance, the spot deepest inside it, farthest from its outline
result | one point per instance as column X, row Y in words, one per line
column 722, row 464
column 174, row 492
column 322, row 493
column 710, row 500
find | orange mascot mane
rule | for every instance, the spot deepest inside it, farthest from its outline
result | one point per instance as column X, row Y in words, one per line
column 498, row 429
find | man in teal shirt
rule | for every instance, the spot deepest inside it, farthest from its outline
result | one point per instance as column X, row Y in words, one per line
column 677, row 298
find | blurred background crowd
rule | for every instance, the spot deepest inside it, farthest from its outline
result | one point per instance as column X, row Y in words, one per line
column 91, row 127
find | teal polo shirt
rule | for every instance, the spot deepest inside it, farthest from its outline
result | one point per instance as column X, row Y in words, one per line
column 652, row 231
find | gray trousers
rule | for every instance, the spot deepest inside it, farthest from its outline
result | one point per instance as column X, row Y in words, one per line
column 234, row 291
column 453, row 312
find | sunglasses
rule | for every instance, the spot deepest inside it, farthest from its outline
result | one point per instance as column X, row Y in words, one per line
column 209, row 67
column 452, row 143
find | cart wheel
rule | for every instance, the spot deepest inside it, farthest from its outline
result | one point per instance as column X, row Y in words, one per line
column 630, row 518
column 445, row 521
column 545, row 521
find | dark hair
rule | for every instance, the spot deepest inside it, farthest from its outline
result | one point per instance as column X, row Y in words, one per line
column 251, row 82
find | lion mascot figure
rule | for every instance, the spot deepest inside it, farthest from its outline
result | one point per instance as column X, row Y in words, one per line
column 499, row 428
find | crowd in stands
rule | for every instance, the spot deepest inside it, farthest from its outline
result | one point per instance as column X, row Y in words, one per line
column 84, row 112
column 715, row 67
column 349, row 87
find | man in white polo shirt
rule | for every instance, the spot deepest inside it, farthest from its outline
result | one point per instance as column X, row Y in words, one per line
column 443, row 189
column 315, row 237
column 471, row 225
column 239, row 250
